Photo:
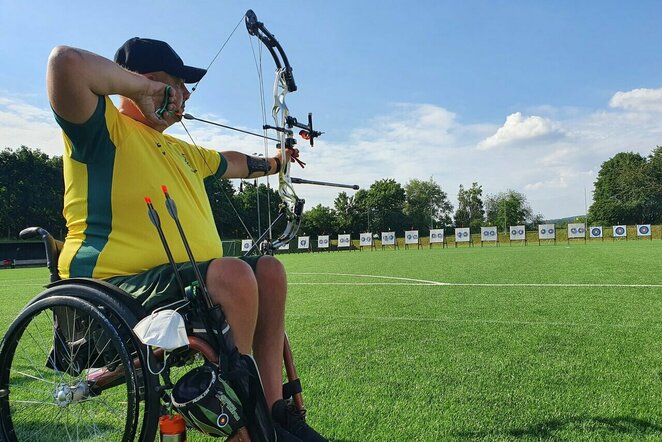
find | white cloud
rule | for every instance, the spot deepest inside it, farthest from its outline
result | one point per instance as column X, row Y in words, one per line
column 638, row 100
column 518, row 128
column 423, row 140
column 25, row 124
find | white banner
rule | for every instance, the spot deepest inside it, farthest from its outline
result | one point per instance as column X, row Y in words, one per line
column 388, row 238
column 366, row 239
column 304, row 242
column 246, row 245
column 576, row 230
column 323, row 242
column 462, row 234
column 596, row 231
column 488, row 233
column 643, row 230
column 411, row 237
column 436, row 236
column 517, row 233
column 546, row 231
column 285, row 246
column 344, row 240
column 620, row 231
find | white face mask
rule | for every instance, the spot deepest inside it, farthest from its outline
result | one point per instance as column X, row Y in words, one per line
column 164, row 329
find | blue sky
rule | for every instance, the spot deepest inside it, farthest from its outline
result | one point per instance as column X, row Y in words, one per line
column 524, row 95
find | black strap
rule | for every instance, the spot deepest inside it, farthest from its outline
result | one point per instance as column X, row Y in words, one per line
column 291, row 388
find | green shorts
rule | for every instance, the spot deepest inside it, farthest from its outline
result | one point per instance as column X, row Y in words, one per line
column 157, row 287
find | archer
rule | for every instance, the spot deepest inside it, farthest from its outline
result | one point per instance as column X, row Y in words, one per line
column 114, row 156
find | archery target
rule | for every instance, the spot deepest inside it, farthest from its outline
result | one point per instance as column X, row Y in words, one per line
column 517, row 233
column 366, row 239
column 388, row 238
column 620, row 231
column 462, row 234
column 436, row 235
column 546, row 231
column 344, row 240
column 246, row 245
column 304, row 242
column 576, row 230
column 285, row 246
column 323, row 242
column 488, row 233
column 643, row 230
column 411, row 237
column 596, row 232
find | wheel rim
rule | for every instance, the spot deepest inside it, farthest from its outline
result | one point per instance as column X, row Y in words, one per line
column 39, row 403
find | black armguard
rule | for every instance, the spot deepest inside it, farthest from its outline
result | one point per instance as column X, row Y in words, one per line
column 256, row 164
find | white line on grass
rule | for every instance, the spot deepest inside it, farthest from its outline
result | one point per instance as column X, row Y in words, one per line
column 467, row 284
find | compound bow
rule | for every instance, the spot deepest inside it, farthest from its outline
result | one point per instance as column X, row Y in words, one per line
column 291, row 207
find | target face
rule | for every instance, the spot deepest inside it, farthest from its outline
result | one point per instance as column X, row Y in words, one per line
column 576, row 230
column 323, row 242
column 462, row 234
column 488, row 233
column 222, row 420
column 366, row 239
column 303, row 242
column 546, row 231
column 343, row 240
column 620, row 231
column 246, row 244
column 644, row 230
column 596, row 232
column 411, row 236
column 517, row 233
column 437, row 235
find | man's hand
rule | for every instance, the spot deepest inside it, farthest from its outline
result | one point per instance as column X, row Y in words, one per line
column 292, row 155
column 156, row 96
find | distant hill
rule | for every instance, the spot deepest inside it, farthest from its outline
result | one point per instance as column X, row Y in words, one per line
column 566, row 220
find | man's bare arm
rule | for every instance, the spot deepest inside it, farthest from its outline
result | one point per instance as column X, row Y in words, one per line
column 75, row 78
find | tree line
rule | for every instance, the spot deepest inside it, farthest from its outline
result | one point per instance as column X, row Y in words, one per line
column 628, row 190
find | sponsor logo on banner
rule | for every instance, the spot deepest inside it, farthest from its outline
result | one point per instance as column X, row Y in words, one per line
column 620, row 231
column 596, row 232
column 644, row 230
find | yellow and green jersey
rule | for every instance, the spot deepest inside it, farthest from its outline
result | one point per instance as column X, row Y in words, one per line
column 111, row 163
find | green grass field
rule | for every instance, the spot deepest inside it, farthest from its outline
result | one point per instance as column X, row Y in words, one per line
column 551, row 342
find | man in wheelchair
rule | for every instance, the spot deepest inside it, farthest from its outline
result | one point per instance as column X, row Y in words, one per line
column 115, row 156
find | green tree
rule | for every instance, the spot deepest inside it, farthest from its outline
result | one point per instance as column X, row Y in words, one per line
column 383, row 204
column 31, row 191
column 246, row 203
column 347, row 217
column 470, row 211
column 426, row 205
column 509, row 208
column 628, row 190
column 319, row 220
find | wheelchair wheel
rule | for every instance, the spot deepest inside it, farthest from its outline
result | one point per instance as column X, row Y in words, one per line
column 123, row 312
column 51, row 361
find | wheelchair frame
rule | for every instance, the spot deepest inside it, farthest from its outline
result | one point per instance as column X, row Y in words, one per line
column 112, row 302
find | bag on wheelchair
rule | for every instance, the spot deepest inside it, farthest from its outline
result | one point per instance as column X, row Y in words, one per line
column 78, row 344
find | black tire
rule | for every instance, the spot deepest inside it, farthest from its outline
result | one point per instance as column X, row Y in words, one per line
column 124, row 313
column 38, row 403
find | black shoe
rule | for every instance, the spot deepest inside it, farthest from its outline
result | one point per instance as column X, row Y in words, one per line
column 294, row 421
column 282, row 435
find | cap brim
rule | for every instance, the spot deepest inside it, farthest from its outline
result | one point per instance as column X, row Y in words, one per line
column 191, row 74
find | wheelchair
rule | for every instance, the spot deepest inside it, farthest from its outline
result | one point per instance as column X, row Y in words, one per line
column 71, row 367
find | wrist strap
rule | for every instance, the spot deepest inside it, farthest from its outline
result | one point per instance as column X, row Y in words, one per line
column 278, row 164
